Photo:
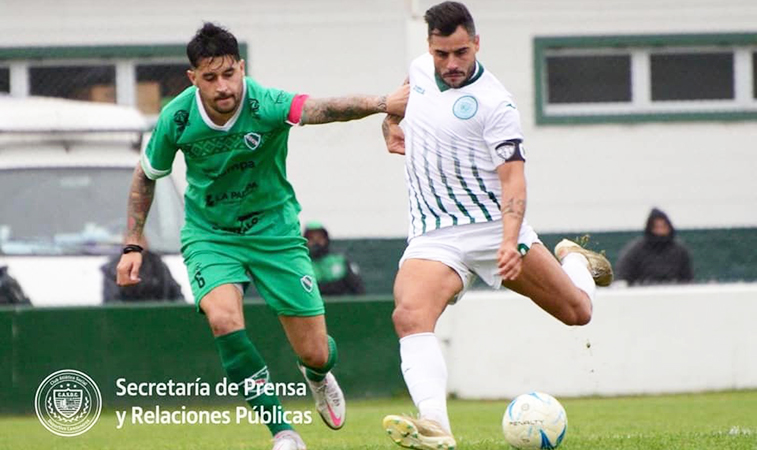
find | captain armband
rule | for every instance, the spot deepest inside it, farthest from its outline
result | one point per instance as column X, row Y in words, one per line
column 511, row 150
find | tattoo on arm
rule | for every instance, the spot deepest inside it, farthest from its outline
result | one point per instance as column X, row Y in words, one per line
column 341, row 109
column 514, row 207
column 385, row 127
column 140, row 198
column 388, row 121
column 382, row 103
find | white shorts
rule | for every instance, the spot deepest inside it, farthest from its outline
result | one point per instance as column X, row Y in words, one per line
column 470, row 250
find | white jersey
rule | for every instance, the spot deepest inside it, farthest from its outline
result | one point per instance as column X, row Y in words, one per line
column 453, row 144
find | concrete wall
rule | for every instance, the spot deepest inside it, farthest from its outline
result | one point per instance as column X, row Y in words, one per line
column 587, row 177
column 640, row 340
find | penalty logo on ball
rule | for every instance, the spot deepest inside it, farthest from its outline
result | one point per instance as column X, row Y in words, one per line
column 535, row 421
column 68, row 403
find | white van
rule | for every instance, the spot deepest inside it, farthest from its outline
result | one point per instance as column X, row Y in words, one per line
column 65, row 171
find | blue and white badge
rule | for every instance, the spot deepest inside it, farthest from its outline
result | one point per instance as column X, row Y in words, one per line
column 465, row 107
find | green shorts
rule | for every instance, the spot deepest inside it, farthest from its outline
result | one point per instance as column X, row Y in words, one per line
column 274, row 258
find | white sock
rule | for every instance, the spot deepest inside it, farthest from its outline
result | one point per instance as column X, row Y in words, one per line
column 577, row 267
column 425, row 375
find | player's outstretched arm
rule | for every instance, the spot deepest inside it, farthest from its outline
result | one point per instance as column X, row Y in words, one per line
column 513, row 180
column 394, row 137
column 141, row 194
column 343, row 109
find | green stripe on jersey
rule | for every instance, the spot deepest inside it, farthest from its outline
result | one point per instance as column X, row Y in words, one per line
column 412, row 190
column 470, row 193
column 451, row 193
column 420, row 191
column 433, row 189
column 481, row 184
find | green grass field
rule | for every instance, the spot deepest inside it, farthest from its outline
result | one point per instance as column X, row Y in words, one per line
column 716, row 421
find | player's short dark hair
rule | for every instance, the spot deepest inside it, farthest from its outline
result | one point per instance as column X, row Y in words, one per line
column 444, row 18
column 212, row 41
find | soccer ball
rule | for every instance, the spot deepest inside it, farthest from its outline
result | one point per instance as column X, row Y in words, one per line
column 535, row 421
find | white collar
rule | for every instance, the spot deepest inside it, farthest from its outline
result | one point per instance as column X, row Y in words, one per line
column 229, row 123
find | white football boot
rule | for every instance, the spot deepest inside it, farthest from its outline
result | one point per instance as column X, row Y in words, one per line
column 288, row 440
column 329, row 400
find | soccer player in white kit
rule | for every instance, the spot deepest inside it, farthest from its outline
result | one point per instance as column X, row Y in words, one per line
column 464, row 168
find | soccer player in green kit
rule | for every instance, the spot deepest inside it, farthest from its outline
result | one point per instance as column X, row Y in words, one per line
column 242, row 215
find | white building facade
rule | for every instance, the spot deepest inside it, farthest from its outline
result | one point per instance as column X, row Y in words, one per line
column 625, row 105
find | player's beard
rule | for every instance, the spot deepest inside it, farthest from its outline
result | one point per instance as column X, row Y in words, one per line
column 459, row 80
column 225, row 109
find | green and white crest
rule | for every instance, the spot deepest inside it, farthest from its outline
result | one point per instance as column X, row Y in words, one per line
column 252, row 140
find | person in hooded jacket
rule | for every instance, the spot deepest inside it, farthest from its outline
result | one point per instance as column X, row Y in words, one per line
column 657, row 257
column 335, row 274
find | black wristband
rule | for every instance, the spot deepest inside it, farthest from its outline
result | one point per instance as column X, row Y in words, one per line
column 132, row 248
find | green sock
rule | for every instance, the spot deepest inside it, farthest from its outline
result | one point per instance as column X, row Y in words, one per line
column 241, row 361
column 319, row 373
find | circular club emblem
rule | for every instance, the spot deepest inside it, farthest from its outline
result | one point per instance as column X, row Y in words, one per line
column 465, row 107
column 68, row 403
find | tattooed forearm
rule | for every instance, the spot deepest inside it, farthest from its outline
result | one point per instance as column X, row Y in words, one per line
column 382, row 104
column 140, row 198
column 341, row 109
column 514, row 207
column 385, row 128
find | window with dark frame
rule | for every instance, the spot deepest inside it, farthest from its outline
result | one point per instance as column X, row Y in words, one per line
column 692, row 76
column 588, row 79
column 5, row 80
column 157, row 84
column 645, row 78
column 93, row 83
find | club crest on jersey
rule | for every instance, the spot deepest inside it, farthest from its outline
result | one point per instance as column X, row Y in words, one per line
column 252, row 140
column 307, row 283
column 465, row 107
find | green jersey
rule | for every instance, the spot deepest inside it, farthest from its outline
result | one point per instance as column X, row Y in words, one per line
column 235, row 172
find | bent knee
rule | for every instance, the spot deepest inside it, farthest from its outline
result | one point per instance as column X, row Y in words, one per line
column 315, row 356
column 578, row 315
column 224, row 321
column 581, row 317
column 412, row 320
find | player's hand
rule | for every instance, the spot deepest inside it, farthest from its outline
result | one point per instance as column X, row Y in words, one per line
column 393, row 135
column 127, row 271
column 397, row 101
column 509, row 262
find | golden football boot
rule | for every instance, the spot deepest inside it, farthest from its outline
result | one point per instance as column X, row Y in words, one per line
column 419, row 434
column 599, row 266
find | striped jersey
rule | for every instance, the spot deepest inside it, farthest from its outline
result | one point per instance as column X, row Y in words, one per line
column 453, row 145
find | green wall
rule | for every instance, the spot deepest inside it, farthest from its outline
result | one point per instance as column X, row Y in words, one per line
column 158, row 342
column 724, row 254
